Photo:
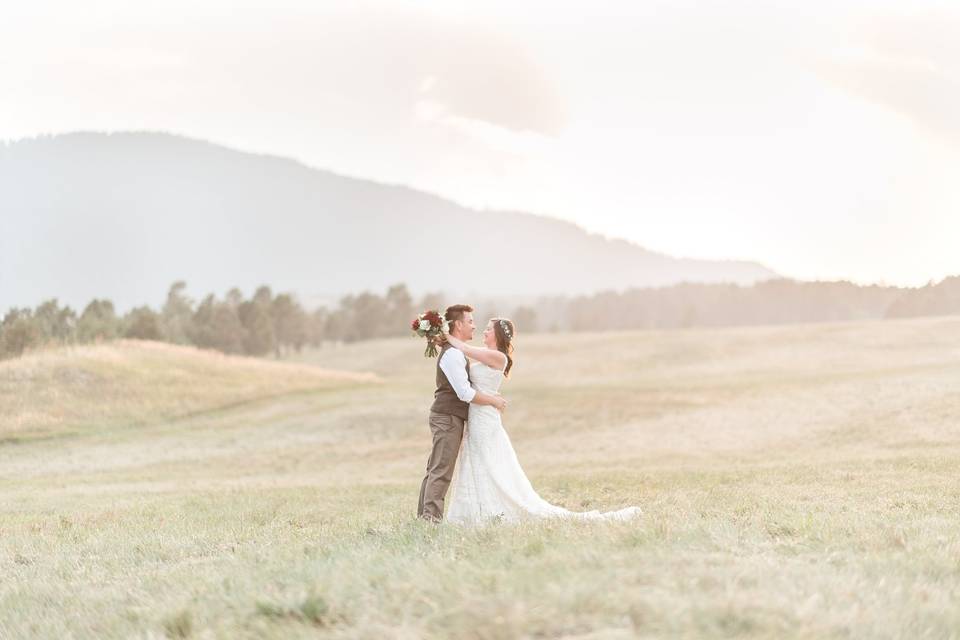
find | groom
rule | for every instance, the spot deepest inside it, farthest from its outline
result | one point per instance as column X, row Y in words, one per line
column 449, row 413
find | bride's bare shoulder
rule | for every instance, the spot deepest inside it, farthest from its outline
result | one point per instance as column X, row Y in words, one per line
column 494, row 357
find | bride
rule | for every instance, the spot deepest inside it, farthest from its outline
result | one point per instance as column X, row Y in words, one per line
column 488, row 482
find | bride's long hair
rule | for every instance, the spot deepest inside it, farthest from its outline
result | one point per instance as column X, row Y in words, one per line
column 504, row 331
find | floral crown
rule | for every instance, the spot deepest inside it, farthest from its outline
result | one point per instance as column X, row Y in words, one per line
column 506, row 329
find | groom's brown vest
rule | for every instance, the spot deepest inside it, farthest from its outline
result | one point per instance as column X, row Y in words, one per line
column 445, row 399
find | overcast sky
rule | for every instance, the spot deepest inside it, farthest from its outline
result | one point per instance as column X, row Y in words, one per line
column 821, row 138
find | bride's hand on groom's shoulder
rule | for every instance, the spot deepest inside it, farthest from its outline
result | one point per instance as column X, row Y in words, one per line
column 454, row 342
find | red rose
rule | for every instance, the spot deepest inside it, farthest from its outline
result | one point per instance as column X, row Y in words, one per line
column 415, row 324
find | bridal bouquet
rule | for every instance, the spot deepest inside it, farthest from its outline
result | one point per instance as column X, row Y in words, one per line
column 429, row 325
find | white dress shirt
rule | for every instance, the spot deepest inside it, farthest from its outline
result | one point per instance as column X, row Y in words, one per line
column 454, row 365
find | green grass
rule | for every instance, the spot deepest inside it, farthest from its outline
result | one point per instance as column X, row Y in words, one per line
column 796, row 482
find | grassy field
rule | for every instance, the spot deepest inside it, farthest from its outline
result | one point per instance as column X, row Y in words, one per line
column 796, row 482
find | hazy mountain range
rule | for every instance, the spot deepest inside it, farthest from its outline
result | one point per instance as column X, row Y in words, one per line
column 122, row 216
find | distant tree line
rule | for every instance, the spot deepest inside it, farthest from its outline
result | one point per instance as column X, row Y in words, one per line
column 266, row 323
column 269, row 323
column 718, row 305
column 779, row 301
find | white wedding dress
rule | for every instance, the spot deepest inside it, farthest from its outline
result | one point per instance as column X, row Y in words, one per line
column 488, row 482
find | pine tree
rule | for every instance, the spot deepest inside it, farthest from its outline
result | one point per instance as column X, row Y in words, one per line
column 98, row 322
column 19, row 331
column 176, row 318
column 143, row 323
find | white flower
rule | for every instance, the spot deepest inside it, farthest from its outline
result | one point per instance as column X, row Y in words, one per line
column 424, row 325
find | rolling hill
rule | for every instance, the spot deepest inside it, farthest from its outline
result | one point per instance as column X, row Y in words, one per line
column 87, row 388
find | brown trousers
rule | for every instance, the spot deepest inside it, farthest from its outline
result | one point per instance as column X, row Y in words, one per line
column 447, row 433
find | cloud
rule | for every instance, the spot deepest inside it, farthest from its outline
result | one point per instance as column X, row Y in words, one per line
column 492, row 136
column 313, row 59
column 396, row 60
column 910, row 65
column 487, row 77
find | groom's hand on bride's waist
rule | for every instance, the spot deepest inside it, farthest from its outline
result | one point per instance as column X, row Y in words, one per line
column 499, row 402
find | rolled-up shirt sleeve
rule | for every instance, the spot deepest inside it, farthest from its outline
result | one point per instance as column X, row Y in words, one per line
column 454, row 365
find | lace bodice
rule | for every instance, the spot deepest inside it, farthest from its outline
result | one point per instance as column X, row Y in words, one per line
column 484, row 378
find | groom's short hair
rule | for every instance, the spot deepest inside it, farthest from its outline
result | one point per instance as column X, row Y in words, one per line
column 455, row 312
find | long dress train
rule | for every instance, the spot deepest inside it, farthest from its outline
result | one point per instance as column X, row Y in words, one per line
column 488, row 481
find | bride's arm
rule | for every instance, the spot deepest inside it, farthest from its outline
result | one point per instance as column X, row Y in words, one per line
column 490, row 357
column 453, row 364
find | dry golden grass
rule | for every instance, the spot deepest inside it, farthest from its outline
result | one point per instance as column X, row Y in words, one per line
column 797, row 482
column 130, row 382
